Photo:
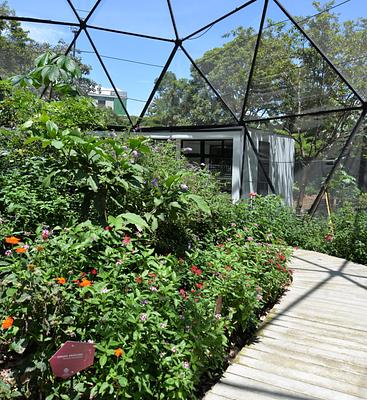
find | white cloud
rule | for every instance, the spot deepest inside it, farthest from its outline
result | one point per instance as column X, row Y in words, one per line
column 45, row 33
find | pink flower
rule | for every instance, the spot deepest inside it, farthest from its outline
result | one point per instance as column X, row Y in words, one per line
column 8, row 253
column 153, row 288
column 183, row 294
column 259, row 297
column 186, row 364
column 143, row 317
column 45, row 234
column 329, row 237
column 126, row 240
column 250, row 239
column 252, row 194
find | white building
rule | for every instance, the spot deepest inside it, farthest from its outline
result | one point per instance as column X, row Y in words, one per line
column 107, row 97
column 226, row 150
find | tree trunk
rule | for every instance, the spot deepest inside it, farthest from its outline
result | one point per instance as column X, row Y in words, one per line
column 302, row 188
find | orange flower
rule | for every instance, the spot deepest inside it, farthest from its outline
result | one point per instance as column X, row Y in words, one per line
column 61, row 281
column 7, row 323
column 12, row 240
column 22, row 249
column 119, row 352
column 85, row 282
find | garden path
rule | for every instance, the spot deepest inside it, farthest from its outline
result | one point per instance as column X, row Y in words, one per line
column 313, row 345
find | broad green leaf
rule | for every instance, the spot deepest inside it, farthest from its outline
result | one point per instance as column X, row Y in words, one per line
column 116, row 222
column 58, row 144
column 135, row 219
column 52, row 128
column 27, row 124
column 200, row 202
column 154, row 225
column 103, row 360
column 175, row 204
column 32, row 139
column 92, row 184
column 19, row 346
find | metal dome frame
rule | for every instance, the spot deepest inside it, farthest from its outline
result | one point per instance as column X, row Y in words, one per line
column 83, row 25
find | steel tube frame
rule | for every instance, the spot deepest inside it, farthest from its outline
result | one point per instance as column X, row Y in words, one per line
column 305, row 114
column 252, row 69
column 108, row 75
column 82, row 24
column 324, row 186
column 209, row 84
column 267, row 177
column 173, row 19
column 38, row 20
column 219, row 19
column 317, row 48
column 155, row 88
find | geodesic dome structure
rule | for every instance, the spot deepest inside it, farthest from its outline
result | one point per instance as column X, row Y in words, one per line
column 283, row 66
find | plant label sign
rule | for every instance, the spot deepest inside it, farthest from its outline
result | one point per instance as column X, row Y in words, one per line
column 71, row 358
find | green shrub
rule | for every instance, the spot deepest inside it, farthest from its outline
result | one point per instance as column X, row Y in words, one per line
column 89, row 283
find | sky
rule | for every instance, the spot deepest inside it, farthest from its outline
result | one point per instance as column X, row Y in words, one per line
column 143, row 59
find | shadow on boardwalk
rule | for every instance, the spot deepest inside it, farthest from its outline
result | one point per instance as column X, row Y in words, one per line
column 313, row 345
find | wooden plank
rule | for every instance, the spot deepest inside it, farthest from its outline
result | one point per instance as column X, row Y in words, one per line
column 313, row 345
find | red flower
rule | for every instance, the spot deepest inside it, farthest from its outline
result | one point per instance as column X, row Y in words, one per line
column 279, row 266
column 138, row 279
column 93, row 271
column 108, row 228
column 126, row 240
column 220, row 245
column 199, row 285
column 281, row 257
column 197, row 271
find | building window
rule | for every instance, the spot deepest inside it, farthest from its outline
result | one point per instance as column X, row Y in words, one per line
column 216, row 155
column 101, row 103
column 264, row 154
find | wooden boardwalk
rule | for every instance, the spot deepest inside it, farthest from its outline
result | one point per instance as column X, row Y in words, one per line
column 313, row 345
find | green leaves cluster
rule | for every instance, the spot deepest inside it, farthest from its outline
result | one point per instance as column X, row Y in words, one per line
column 52, row 70
column 162, row 314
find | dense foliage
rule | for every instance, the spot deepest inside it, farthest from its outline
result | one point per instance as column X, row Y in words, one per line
column 114, row 240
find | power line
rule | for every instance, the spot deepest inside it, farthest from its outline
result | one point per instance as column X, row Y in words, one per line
column 286, row 20
column 123, row 59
